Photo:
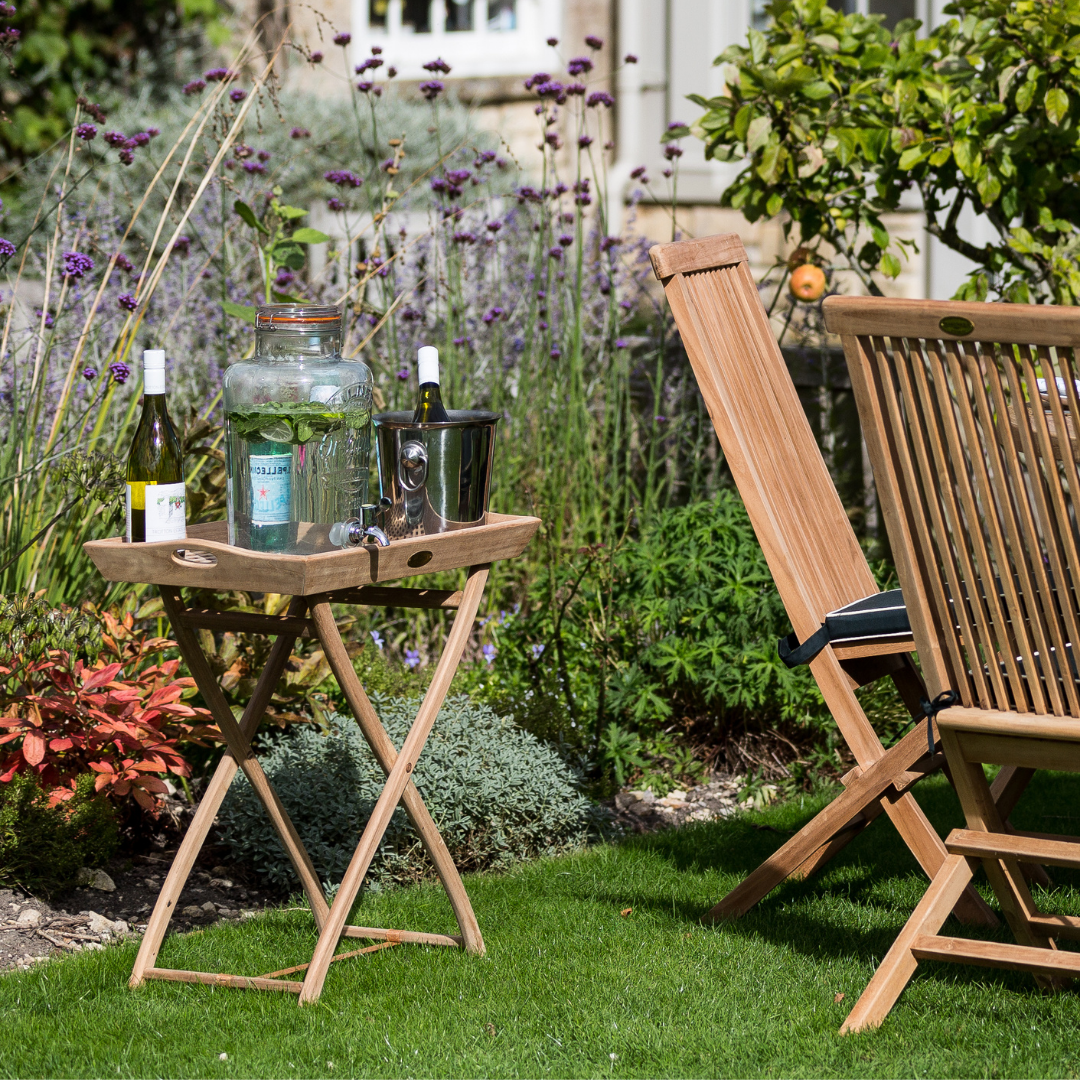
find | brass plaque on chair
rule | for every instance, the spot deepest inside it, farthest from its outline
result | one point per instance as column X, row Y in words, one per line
column 956, row 325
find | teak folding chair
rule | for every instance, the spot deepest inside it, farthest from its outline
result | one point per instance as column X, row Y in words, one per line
column 968, row 412
column 815, row 560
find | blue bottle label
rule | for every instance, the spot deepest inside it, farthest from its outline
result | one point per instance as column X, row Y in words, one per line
column 271, row 487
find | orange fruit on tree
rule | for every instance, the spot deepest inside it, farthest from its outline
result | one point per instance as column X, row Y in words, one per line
column 807, row 282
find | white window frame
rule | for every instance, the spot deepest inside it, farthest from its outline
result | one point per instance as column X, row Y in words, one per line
column 476, row 53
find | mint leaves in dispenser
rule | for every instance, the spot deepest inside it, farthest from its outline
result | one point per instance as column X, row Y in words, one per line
column 297, row 432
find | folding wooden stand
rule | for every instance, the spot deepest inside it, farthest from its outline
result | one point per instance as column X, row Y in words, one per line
column 205, row 560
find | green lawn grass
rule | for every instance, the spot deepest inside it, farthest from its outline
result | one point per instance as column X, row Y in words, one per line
column 571, row 988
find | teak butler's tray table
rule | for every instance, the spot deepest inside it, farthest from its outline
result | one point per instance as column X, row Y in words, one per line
column 206, row 560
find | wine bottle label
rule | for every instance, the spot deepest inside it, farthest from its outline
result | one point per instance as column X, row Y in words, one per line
column 271, row 488
column 164, row 506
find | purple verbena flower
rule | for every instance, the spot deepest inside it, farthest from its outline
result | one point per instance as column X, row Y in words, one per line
column 6, row 10
column 493, row 314
column 89, row 373
column 119, row 371
column 299, row 133
column 7, row 248
column 556, row 353
column 364, row 87
column 553, row 140
column 263, row 155
column 493, row 226
column 660, row 419
column 439, row 64
column 431, row 89
column 123, row 262
column 48, row 317
column 637, row 173
column 667, row 173
column 285, row 277
column 140, row 138
column 410, row 314
column 403, row 374
column 237, row 94
column 85, row 131
column 343, row 39
column 673, row 151
column 376, row 50
column 565, row 240
column 580, row 65
column 555, row 252
column 218, row 75
column 483, row 158
column 464, row 238
column 115, row 138
column 457, row 176
column 256, row 167
column 584, row 141
column 335, row 204
column 551, row 88
column 621, row 343
column 536, row 80
column 600, row 97
column 127, row 301
column 594, row 42
column 391, row 71
column 370, row 64
column 343, row 178
column 629, row 58
column 553, row 41
column 608, row 242
column 316, row 57
column 576, row 89
column 76, row 264
column 194, row 86
column 182, row 245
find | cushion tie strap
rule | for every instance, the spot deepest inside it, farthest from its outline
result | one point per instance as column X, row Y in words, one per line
column 945, row 700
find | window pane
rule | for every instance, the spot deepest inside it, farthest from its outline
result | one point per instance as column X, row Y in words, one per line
column 415, row 16
column 459, row 14
column 377, row 13
column 893, row 10
column 502, row 15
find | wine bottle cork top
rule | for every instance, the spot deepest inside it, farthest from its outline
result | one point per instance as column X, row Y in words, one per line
column 427, row 364
column 153, row 358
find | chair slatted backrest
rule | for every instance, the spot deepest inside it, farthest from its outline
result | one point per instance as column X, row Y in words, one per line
column 969, row 415
column 811, row 549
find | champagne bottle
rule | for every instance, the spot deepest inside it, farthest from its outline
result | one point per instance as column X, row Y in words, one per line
column 156, row 497
column 429, row 406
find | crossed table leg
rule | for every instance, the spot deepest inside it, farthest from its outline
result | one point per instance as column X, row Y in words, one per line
column 398, row 765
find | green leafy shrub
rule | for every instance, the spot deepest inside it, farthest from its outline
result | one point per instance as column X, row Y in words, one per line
column 674, row 627
column 497, row 794
column 44, row 844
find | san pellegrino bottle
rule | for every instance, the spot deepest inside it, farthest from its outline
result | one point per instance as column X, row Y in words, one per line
column 429, row 405
column 156, row 497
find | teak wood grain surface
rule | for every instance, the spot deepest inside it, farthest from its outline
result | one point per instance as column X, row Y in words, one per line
column 314, row 583
column 963, row 407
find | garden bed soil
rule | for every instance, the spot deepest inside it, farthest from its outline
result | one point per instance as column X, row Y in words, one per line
column 643, row 812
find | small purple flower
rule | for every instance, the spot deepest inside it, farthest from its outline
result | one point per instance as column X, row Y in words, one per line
column 457, row 176
column 140, row 138
column 49, row 320
column 584, row 141
column 410, row 314
column 89, row 373
column 316, row 57
column 537, row 79
column 608, row 242
column 127, row 301
column 376, row 50
column 489, row 652
column 237, row 94
column 580, row 65
column 6, row 10
column 555, row 253
column 119, row 371
column 493, row 314
column 576, row 89
column 626, row 305
column 76, row 264
column 638, row 173
column 629, row 58
column 594, row 42
column 600, row 97
column 391, row 71
column 364, row 87
column 343, row 39
column 556, row 353
column 256, row 167
column 241, row 151
column 343, row 178
column 182, row 246
column 552, row 88
column 375, row 635
column 462, row 341
column 438, row 183
column 483, row 158
column 673, row 151
column 403, row 374
column 335, row 204
column 660, row 419
column 85, row 131
column 299, row 133
column 263, row 155
column 565, row 240
column 493, row 226
column 621, row 343
column 431, row 89
column 674, row 125
column 412, row 658
column 7, row 248
column 439, row 65
column 194, row 87
column 464, row 238
column 538, row 650
column 667, row 173
column 553, row 140
column 115, row 138
column 370, row 64
column 218, row 75
column 553, row 41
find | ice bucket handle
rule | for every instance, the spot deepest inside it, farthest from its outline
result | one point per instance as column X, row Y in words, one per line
column 412, row 465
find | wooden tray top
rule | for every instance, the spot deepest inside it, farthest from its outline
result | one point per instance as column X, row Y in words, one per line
column 210, row 562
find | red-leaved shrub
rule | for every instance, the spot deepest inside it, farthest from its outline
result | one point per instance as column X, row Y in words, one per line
column 121, row 717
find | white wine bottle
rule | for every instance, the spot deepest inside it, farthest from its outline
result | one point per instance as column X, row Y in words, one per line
column 156, row 496
column 429, row 405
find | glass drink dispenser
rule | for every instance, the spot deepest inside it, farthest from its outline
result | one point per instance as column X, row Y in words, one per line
column 297, row 432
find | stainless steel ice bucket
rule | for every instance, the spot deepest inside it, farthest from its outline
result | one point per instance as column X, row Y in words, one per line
column 435, row 476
